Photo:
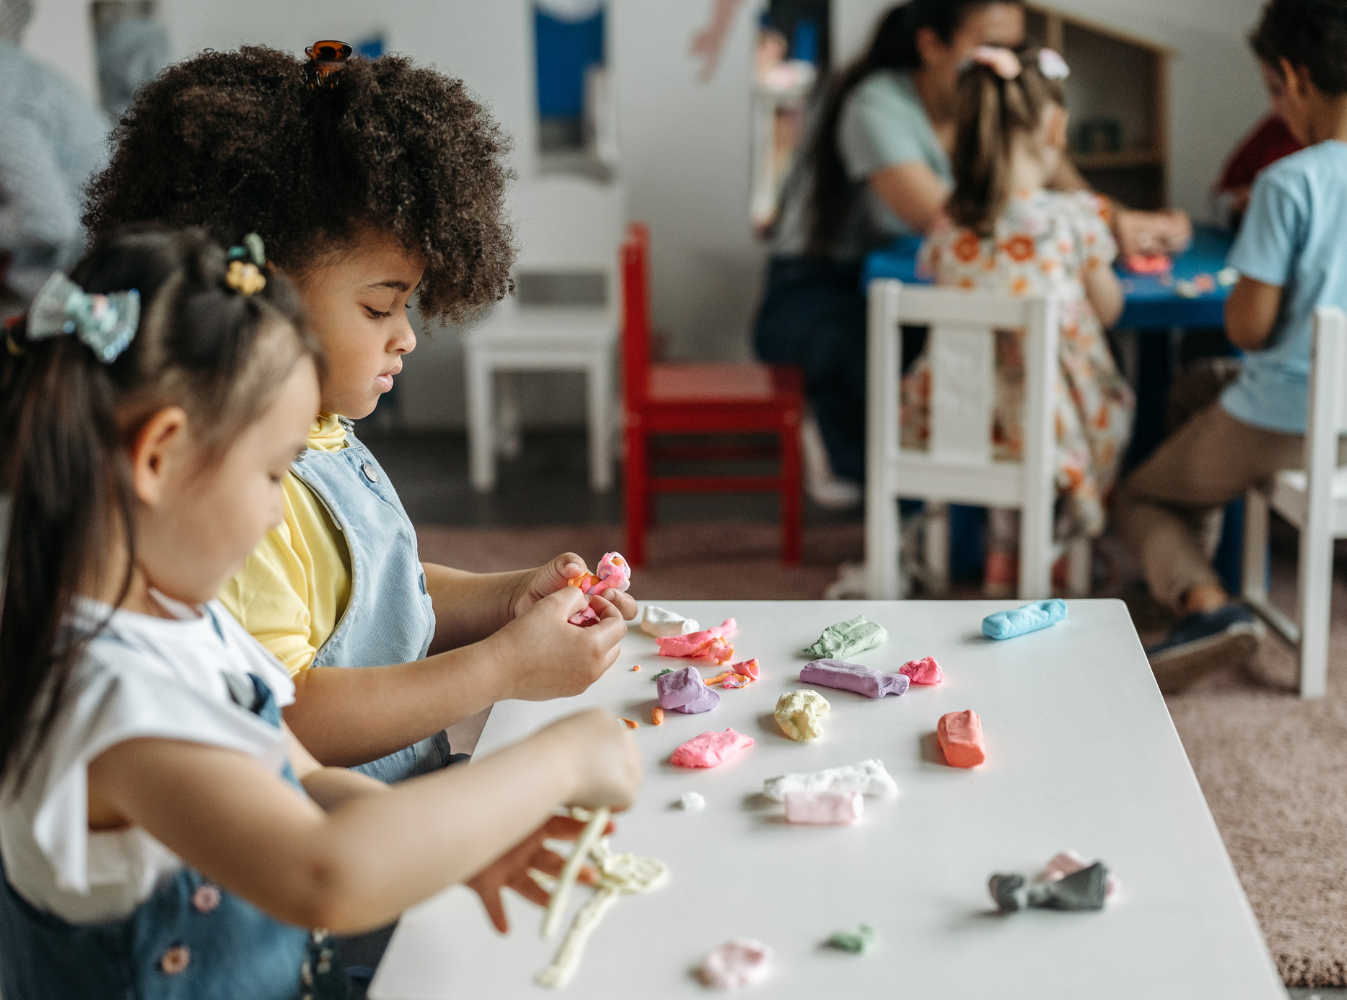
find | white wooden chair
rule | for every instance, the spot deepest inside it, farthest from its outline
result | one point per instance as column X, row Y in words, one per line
column 958, row 467
column 1314, row 499
column 565, row 226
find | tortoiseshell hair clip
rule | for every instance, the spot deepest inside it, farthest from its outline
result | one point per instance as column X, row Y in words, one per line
column 326, row 61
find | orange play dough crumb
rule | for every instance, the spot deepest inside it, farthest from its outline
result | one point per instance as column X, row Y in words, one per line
column 657, row 716
column 718, row 678
column 631, row 723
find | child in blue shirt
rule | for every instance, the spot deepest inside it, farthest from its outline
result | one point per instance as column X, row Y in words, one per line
column 1291, row 257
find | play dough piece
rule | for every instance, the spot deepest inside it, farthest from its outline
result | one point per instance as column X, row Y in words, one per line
column 799, row 714
column 748, row 668
column 960, row 736
column 868, row 777
column 736, row 963
column 685, row 691
column 858, row 940
column 663, row 623
column 733, row 681
column 923, row 671
column 1068, row 862
column 718, row 678
column 1082, row 890
column 695, row 644
column 831, row 807
column 657, row 716
column 853, row 677
column 1007, row 891
column 619, row 875
column 710, row 749
column 691, row 802
column 570, row 871
column 848, row 638
column 612, row 573
column 631, row 723
column 1030, row 618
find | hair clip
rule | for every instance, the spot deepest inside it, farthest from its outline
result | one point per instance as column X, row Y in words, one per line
column 1001, row 61
column 326, row 61
column 245, row 266
column 15, row 348
column 105, row 323
column 1052, row 65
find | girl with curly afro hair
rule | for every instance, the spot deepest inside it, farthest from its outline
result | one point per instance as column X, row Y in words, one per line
column 371, row 184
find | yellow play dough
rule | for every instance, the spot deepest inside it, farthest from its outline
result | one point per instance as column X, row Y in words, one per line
column 799, row 714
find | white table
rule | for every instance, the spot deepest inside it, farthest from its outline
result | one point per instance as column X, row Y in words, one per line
column 1082, row 754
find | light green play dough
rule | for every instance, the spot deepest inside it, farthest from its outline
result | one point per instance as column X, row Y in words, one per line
column 847, row 639
column 858, row 940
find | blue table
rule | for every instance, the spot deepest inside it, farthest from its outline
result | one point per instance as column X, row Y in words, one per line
column 1151, row 306
column 1151, row 302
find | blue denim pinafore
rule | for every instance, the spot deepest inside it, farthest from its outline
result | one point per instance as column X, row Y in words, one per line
column 190, row 939
column 389, row 618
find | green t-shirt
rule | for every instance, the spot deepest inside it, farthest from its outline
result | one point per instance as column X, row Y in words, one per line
column 883, row 124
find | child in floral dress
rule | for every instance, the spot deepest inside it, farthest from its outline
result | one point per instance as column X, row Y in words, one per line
column 1013, row 236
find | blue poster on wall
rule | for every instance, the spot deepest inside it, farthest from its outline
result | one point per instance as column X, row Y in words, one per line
column 565, row 47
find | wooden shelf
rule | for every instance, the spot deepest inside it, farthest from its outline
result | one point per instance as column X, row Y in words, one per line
column 1122, row 160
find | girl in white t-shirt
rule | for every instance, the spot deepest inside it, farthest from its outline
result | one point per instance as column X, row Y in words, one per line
column 161, row 831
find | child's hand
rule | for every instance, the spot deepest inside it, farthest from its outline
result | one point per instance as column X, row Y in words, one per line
column 605, row 759
column 554, row 576
column 511, row 869
column 544, row 656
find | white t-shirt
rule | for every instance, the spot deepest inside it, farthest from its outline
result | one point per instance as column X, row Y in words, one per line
column 142, row 677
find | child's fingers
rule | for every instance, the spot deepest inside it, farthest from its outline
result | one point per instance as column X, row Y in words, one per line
column 567, row 566
column 529, row 889
column 495, row 909
column 625, row 603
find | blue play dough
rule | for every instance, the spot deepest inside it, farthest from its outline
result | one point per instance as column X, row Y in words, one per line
column 1030, row 618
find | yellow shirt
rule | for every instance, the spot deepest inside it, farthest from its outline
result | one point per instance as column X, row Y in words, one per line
column 293, row 589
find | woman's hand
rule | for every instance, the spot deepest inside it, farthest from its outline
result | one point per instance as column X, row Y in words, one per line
column 543, row 656
column 556, row 575
column 1152, row 232
column 511, row 869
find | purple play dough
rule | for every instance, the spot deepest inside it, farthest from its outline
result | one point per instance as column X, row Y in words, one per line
column 853, row 677
column 685, row 691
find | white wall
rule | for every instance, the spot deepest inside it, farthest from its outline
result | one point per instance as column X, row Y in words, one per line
column 61, row 34
column 1216, row 94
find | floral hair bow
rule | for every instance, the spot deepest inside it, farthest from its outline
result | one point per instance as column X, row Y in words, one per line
column 245, row 266
column 105, row 323
column 1052, row 65
column 1001, row 61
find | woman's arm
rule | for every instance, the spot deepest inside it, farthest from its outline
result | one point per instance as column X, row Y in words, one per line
column 471, row 606
column 378, row 851
column 913, row 192
column 348, row 716
column 1251, row 313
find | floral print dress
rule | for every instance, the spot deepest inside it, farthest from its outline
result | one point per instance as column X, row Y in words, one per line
column 1042, row 244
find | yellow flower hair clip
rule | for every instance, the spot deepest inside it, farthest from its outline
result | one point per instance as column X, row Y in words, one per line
column 245, row 266
column 245, row 279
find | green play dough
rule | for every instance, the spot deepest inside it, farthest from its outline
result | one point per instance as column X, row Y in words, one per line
column 847, row 639
column 859, row 939
column 666, row 670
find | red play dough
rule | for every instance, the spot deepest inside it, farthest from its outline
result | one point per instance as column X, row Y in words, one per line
column 923, row 671
column 960, row 736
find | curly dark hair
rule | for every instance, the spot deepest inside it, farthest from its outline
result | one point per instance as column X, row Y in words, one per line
column 238, row 143
column 1306, row 33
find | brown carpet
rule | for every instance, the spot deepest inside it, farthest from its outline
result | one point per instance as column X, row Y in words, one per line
column 1273, row 767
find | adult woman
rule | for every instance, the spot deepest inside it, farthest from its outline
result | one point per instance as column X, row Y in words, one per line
column 877, row 166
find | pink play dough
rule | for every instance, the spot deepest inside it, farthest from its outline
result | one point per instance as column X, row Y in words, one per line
column 829, row 807
column 736, row 963
column 923, row 671
column 695, row 643
column 710, row 749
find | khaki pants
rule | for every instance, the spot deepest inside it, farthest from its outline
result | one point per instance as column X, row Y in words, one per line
column 1168, row 511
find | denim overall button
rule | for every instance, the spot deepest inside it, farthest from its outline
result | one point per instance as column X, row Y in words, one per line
column 175, row 960
column 370, row 473
column 206, row 898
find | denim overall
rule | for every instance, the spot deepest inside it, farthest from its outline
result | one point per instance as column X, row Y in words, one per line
column 190, row 939
column 389, row 618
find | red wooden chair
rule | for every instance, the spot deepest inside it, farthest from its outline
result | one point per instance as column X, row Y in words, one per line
column 700, row 399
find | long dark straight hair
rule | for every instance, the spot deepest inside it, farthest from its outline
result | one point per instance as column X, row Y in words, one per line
column 67, row 418
column 991, row 112
column 893, row 47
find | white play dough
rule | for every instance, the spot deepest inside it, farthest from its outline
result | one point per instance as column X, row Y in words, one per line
column 663, row 623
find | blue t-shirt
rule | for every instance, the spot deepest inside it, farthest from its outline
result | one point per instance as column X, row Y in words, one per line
column 1292, row 237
